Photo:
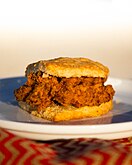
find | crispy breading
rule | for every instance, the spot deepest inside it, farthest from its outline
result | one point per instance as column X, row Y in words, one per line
column 75, row 91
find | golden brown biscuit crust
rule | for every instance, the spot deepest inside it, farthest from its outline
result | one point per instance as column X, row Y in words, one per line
column 69, row 67
column 61, row 113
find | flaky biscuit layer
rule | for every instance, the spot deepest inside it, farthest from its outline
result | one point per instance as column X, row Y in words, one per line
column 69, row 67
column 61, row 113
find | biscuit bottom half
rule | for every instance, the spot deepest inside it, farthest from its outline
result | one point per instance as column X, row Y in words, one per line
column 61, row 113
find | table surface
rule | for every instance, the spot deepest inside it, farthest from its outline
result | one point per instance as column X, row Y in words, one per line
column 18, row 150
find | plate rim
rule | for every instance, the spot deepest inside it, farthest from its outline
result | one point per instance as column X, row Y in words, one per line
column 48, row 128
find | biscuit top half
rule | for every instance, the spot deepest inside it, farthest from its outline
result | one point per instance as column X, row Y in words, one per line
column 69, row 67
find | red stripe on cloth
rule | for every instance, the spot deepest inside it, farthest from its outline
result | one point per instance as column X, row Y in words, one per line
column 25, row 151
column 66, row 152
column 121, row 159
column 21, row 149
column 87, row 160
column 105, row 157
column 3, row 145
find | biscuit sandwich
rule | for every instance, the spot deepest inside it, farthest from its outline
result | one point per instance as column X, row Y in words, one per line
column 66, row 88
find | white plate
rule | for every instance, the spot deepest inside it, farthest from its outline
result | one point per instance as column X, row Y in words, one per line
column 116, row 124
